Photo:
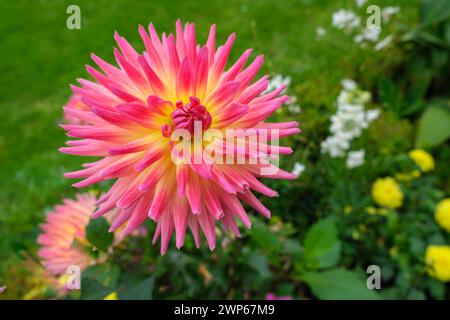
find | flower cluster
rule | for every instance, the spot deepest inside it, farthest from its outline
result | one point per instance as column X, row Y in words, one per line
column 348, row 123
column 437, row 258
column 387, row 193
column 346, row 20
column 350, row 22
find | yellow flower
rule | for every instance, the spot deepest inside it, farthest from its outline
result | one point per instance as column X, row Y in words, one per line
column 442, row 214
column 387, row 193
column 422, row 159
column 437, row 259
column 111, row 296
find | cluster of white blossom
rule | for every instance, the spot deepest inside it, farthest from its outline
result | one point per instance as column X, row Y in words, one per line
column 346, row 20
column 349, row 21
column 348, row 123
column 278, row 81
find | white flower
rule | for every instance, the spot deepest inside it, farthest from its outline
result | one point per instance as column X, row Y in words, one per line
column 345, row 19
column 355, row 159
column 350, row 119
column 349, row 84
column 383, row 43
column 372, row 114
column 320, row 32
column 368, row 34
column 298, row 169
column 277, row 81
column 348, row 124
column 335, row 145
column 360, row 3
column 388, row 12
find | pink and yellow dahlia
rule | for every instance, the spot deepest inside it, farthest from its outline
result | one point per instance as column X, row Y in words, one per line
column 142, row 111
column 63, row 239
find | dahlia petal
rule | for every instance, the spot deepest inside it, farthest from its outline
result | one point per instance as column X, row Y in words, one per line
column 162, row 195
column 133, row 73
column 138, row 216
column 246, row 76
column 250, row 199
column 193, row 195
column 230, row 114
column 128, row 51
column 220, row 59
column 155, row 82
column 153, row 154
column 131, row 147
column 223, row 95
column 181, row 44
column 180, row 214
column 185, row 81
column 182, row 178
column 210, row 44
column 206, row 222
column 238, row 66
column 254, row 90
column 202, row 73
column 233, row 205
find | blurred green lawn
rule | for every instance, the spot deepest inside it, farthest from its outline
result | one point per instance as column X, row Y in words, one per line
column 40, row 57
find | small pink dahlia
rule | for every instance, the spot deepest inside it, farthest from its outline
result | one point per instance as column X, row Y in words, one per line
column 144, row 109
column 63, row 239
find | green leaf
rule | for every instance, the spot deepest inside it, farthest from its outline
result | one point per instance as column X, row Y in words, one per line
column 105, row 274
column 322, row 246
column 434, row 126
column 265, row 239
column 259, row 262
column 92, row 289
column 339, row 284
column 141, row 291
column 434, row 11
column 98, row 235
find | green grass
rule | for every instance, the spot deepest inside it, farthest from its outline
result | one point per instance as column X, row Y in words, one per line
column 40, row 57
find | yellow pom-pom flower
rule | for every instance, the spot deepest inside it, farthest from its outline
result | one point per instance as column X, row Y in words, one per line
column 442, row 214
column 437, row 259
column 387, row 193
column 111, row 296
column 422, row 159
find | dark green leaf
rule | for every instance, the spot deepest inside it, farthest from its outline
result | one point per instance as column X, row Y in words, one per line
column 339, row 284
column 141, row 291
column 434, row 11
column 259, row 262
column 434, row 126
column 92, row 289
column 322, row 246
column 98, row 235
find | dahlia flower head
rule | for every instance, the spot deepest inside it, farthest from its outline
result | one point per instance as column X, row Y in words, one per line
column 63, row 238
column 140, row 120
